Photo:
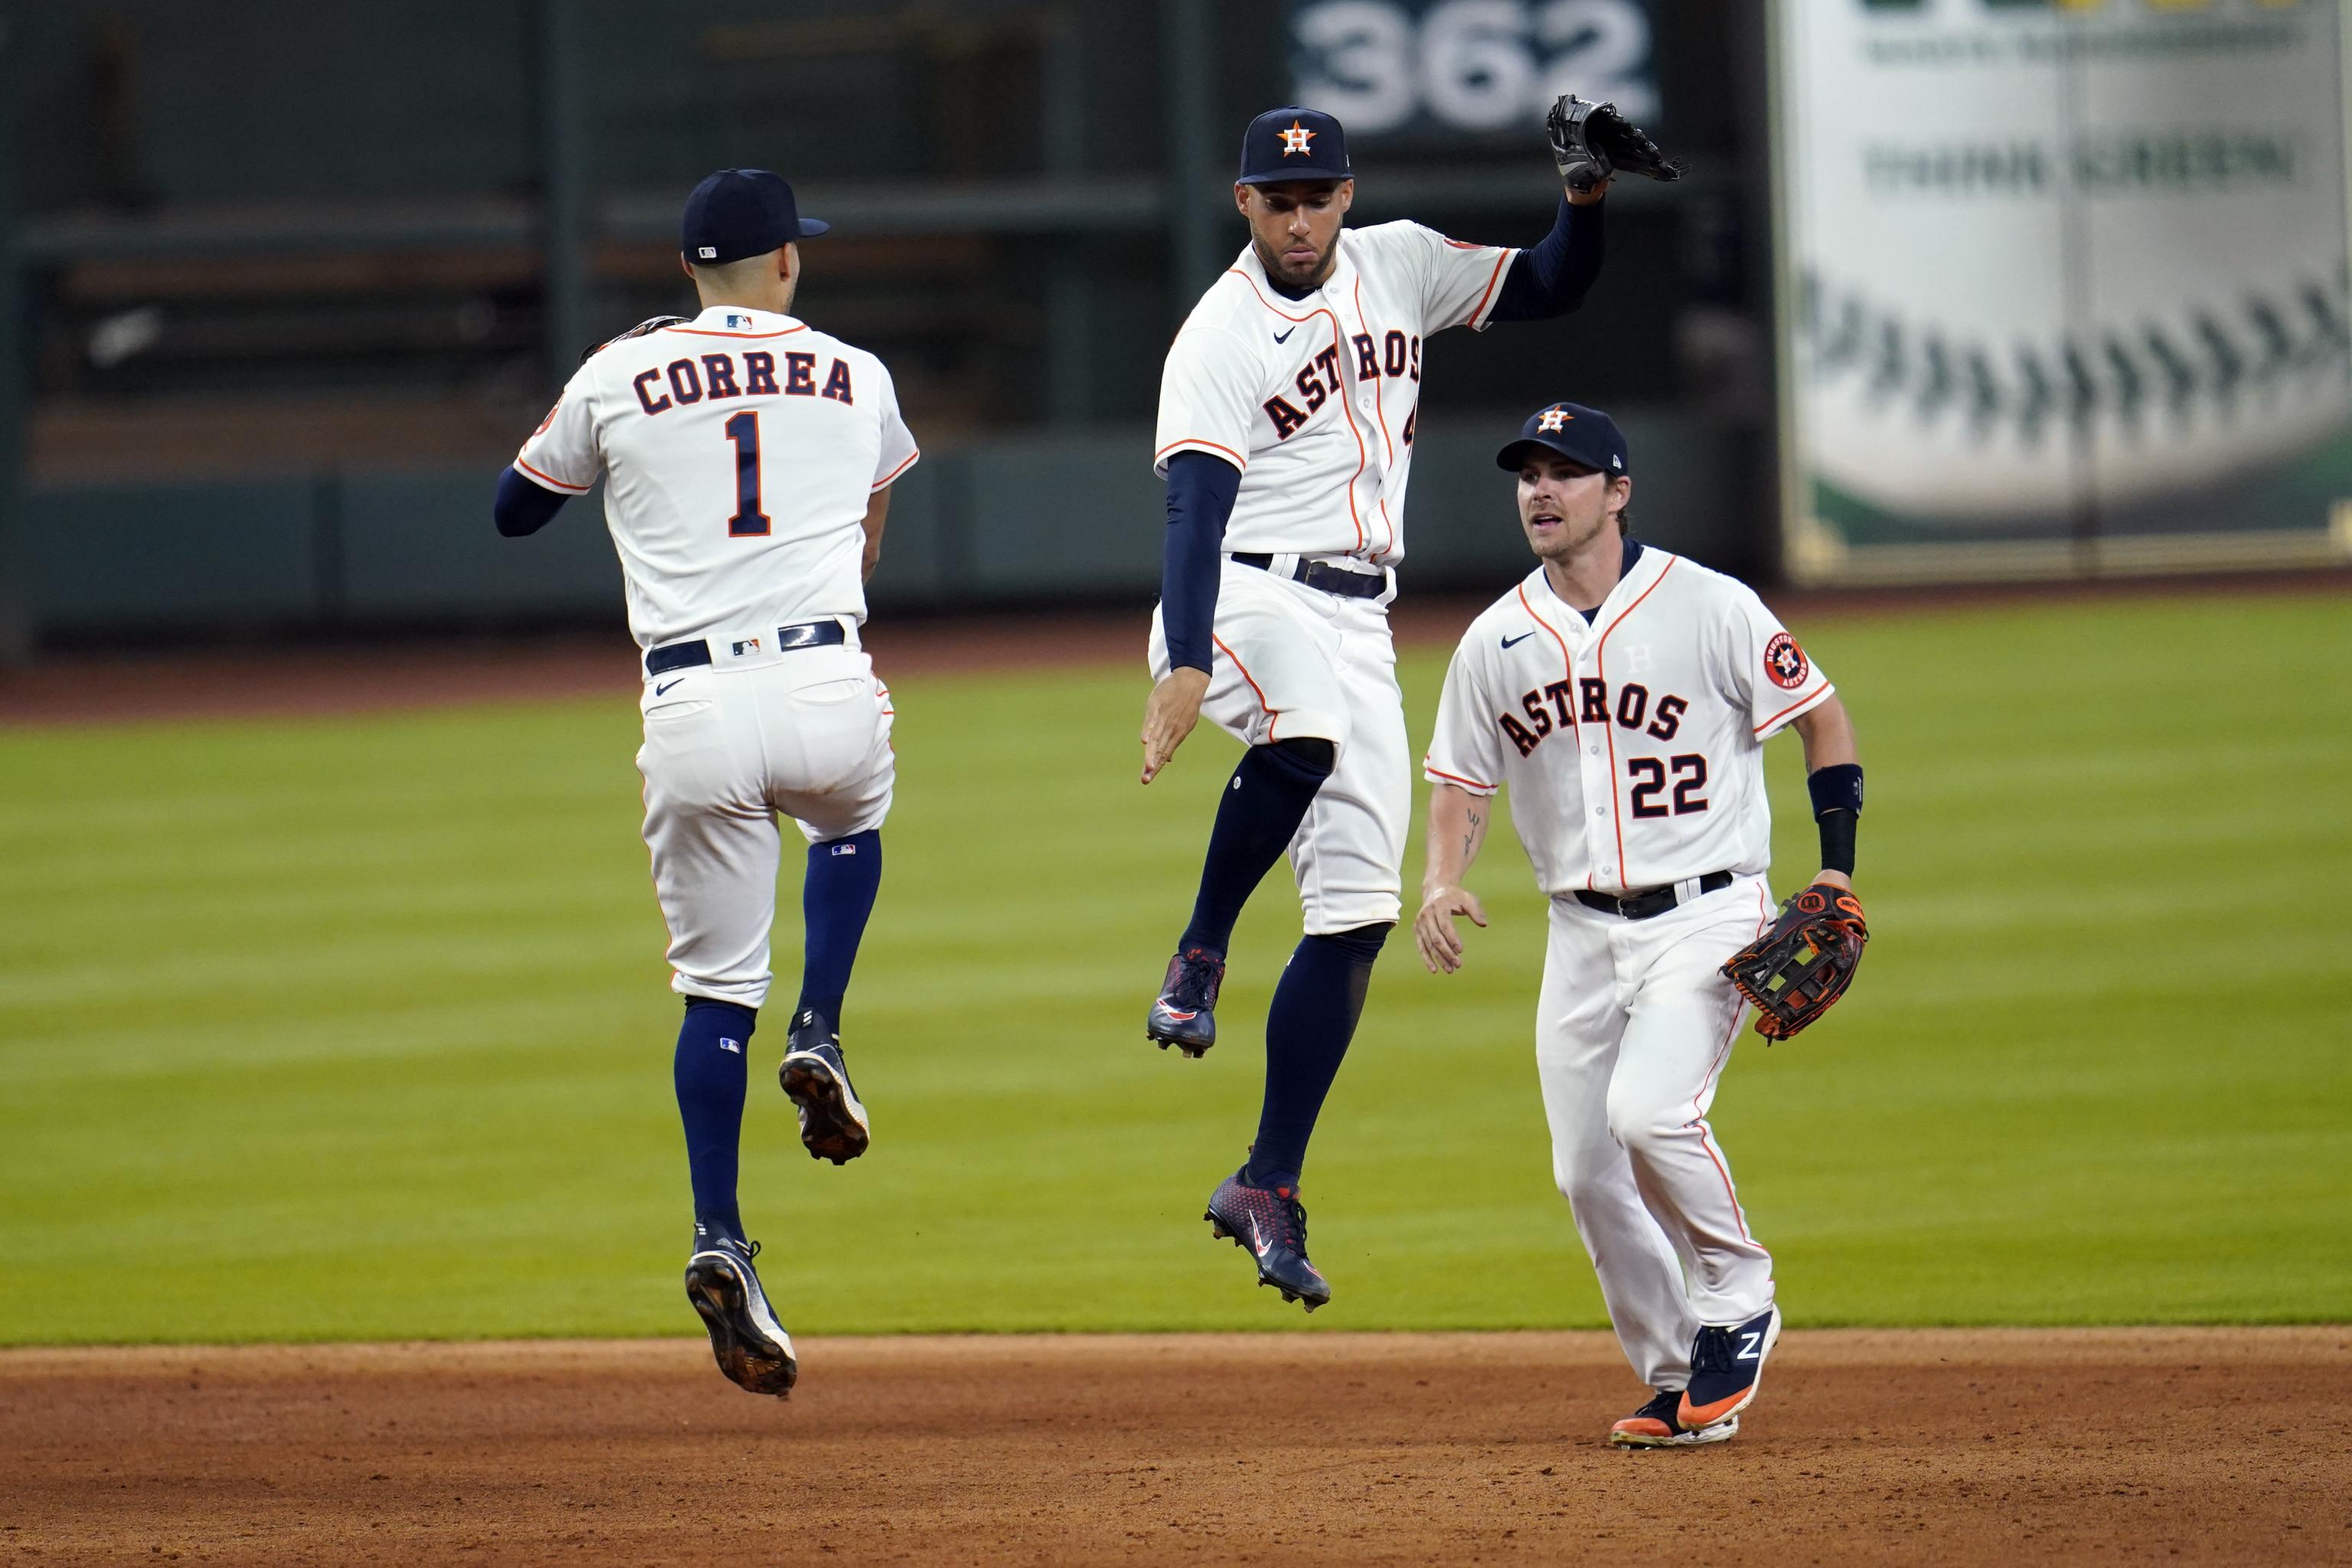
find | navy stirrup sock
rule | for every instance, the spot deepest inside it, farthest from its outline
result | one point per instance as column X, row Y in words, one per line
column 710, row 1074
column 1316, row 1005
column 836, row 898
column 1257, row 817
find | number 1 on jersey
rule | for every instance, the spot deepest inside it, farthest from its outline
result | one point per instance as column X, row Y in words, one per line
column 743, row 429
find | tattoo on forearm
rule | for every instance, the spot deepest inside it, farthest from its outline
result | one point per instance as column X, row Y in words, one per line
column 1470, row 839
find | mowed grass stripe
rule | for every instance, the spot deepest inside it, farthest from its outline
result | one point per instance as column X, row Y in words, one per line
column 358, row 1027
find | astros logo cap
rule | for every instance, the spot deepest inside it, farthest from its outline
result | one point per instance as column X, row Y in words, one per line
column 1581, row 435
column 738, row 213
column 1293, row 143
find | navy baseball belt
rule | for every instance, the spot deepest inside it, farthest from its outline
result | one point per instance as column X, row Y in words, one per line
column 1330, row 579
column 687, row 654
column 1650, row 904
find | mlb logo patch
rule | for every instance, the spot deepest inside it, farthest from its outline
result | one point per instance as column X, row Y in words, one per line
column 742, row 321
column 748, row 645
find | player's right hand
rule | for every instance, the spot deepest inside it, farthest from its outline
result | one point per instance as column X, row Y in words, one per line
column 1433, row 928
column 1170, row 714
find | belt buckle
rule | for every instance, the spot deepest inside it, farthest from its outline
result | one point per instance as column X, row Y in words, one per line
column 1625, row 909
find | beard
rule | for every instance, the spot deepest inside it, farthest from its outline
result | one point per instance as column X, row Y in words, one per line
column 1277, row 270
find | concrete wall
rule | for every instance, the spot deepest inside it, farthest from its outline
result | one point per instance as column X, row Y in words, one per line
column 1037, row 518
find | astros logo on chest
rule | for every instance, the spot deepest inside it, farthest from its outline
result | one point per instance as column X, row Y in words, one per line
column 1391, row 354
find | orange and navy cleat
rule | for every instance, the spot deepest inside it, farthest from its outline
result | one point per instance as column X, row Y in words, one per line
column 1185, row 1015
column 1727, row 1367
column 1271, row 1222
column 1657, row 1426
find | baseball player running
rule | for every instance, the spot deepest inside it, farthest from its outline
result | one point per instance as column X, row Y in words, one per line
column 1287, row 411
column 1625, row 695
column 749, row 459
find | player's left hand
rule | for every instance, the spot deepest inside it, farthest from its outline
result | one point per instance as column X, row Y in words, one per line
column 1434, row 930
column 1168, row 716
column 1590, row 141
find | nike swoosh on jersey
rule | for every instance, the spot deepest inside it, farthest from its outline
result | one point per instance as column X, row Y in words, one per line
column 1283, row 337
column 681, row 681
column 1514, row 642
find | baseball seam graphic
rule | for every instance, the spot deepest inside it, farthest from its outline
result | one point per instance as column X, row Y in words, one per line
column 2205, row 356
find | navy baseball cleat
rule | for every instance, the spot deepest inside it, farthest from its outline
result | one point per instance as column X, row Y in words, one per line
column 1658, row 1425
column 1185, row 1014
column 751, row 1347
column 1726, row 1365
column 1272, row 1223
column 832, row 1120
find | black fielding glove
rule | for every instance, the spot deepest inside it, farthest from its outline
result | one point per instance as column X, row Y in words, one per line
column 1590, row 141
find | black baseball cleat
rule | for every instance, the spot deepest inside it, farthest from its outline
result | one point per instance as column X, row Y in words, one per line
column 1271, row 1222
column 751, row 1347
column 1658, row 1425
column 1185, row 1014
column 1726, row 1367
column 832, row 1120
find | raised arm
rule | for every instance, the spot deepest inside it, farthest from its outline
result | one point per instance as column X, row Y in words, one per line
column 1457, row 831
column 1551, row 279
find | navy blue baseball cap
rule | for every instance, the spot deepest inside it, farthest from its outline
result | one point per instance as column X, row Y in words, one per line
column 1293, row 143
column 738, row 213
column 1581, row 435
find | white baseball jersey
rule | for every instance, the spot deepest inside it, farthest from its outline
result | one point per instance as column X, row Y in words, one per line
column 742, row 449
column 1314, row 400
column 1634, row 746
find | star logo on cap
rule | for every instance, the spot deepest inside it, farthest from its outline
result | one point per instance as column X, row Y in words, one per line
column 1553, row 419
column 1295, row 139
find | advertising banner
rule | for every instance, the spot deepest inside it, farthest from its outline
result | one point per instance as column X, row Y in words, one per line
column 2063, row 285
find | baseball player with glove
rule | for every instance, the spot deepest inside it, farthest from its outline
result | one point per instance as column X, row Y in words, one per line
column 748, row 460
column 1625, row 695
column 1287, row 411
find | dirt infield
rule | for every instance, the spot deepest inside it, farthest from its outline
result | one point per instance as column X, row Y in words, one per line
column 1952, row 1446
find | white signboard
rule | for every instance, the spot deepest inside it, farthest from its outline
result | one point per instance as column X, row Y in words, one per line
column 2065, row 285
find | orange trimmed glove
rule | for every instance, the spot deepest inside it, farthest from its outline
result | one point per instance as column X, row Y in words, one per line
column 1795, row 971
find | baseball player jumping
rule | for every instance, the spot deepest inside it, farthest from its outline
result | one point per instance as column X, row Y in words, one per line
column 748, row 458
column 1625, row 695
column 1287, row 411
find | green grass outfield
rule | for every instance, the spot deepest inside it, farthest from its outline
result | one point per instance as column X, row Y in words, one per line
column 358, row 1027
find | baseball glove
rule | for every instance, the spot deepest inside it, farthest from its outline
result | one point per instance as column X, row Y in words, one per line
column 1799, row 968
column 650, row 324
column 1590, row 141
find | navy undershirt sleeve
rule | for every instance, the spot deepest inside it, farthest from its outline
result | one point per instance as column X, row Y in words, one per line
column 1551, row 279
column 524, row 506
column 1201, row 491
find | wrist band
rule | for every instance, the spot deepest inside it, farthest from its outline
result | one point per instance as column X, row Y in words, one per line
column 1837, row 840
column 1836, row 788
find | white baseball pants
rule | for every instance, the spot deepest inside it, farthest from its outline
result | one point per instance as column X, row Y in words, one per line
column 1296, row 663
column 727, row 747
column 1634, row 1029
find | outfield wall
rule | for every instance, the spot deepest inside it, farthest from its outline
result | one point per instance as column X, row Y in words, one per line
column 1038, row 519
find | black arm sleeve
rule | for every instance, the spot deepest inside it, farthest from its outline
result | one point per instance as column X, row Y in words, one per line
column 1201, row 491
column 523, row 507
column 1552, row 277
